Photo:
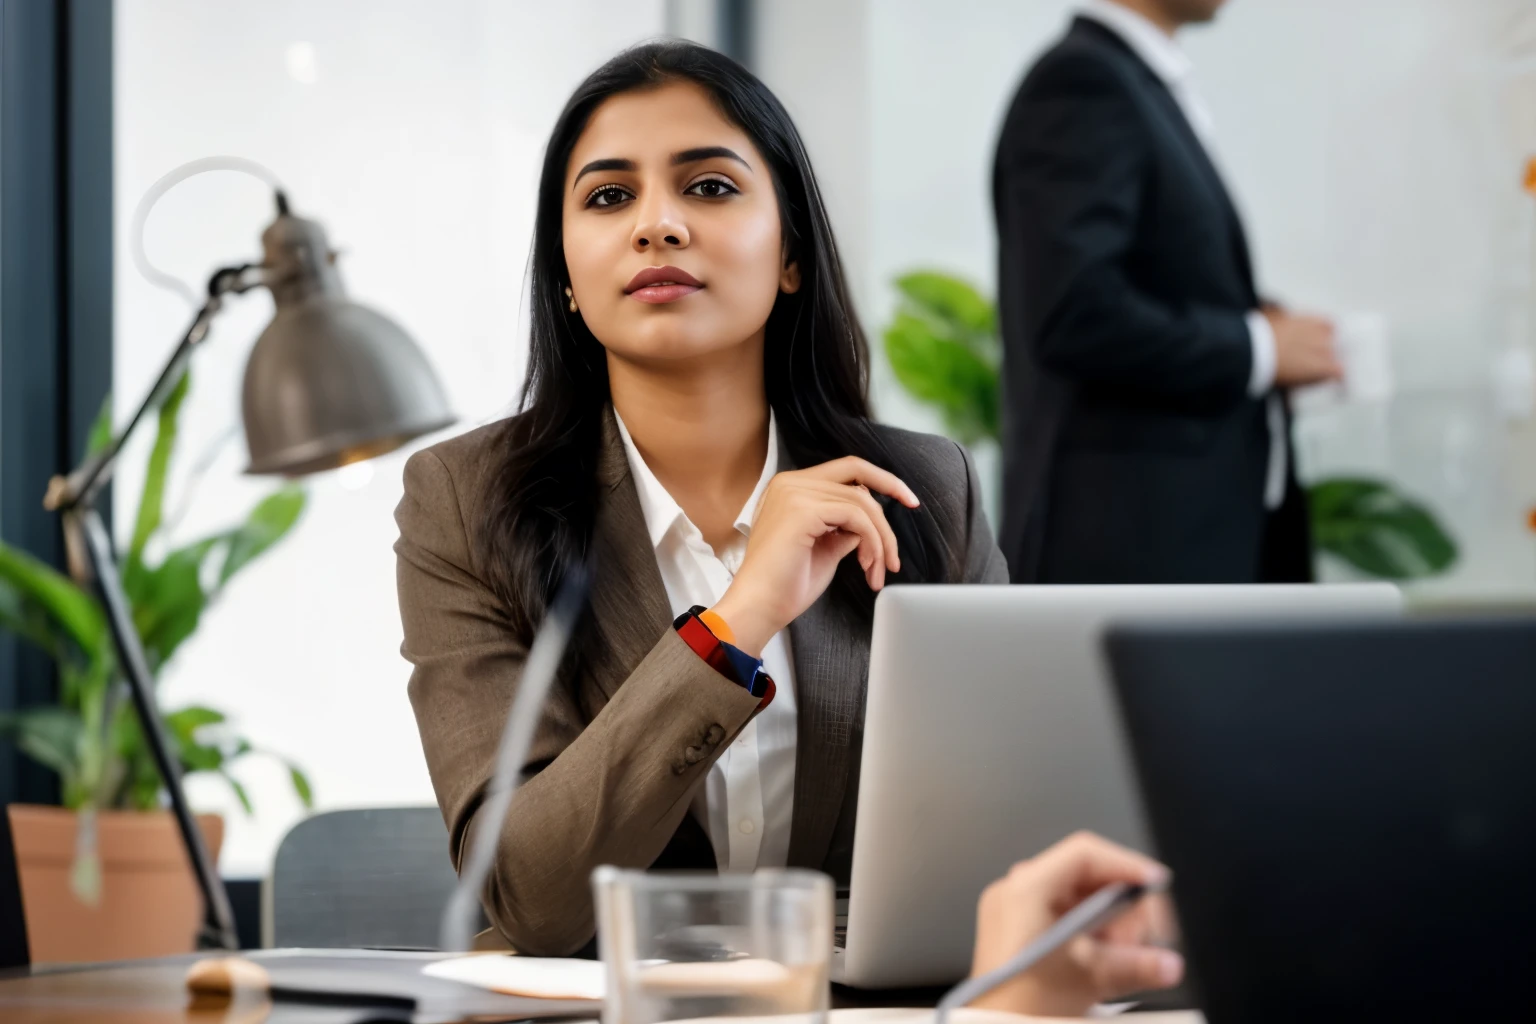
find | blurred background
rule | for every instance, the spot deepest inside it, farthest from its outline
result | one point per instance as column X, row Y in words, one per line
column 1377, row 149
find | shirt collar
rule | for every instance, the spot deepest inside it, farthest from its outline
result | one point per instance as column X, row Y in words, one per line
column 1155, row 47
column 662, row 512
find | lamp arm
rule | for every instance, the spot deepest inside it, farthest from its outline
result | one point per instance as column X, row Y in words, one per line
column 217, row 930
column 85, row 481
column 91, row 559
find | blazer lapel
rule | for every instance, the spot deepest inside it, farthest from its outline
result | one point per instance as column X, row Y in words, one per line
column 1190, row 140
column 831, row 673
column 1194, row 146
column 630, row 612
column 629, row 601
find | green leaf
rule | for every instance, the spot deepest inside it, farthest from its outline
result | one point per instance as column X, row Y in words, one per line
column 101, row 428
column 134, row 764
column 85, row 871
column 186, row 721
column 949, row 300
column 143, row 790
column 240, row 793
column 1378, row 531
column 152, row 500
column 169, row 601
column 267, row 524
column 196, row 755
column 85, row 878
column 945, row 374
column 301, row 786
column 49, row 735
column 201, row 757
column 32, row 592
column 139, row 788
column 23, row 616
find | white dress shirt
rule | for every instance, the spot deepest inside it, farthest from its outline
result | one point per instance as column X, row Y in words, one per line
column 747, row 801
column 1160, row 52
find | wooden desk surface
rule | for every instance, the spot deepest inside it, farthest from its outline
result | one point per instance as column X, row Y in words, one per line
column 154, row 992
column 138, row 992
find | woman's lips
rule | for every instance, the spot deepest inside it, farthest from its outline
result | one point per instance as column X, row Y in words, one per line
column 658, row 293
column 662, row 284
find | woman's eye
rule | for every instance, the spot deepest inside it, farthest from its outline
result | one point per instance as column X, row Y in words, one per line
column 711, row 188
column 608, row 195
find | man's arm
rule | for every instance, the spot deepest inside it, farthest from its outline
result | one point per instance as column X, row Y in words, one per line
column 1071, row 170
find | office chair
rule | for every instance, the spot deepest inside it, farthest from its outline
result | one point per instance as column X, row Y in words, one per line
column 375, row 877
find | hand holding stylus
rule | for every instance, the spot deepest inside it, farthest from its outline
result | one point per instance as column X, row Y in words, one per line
column 1119, row 958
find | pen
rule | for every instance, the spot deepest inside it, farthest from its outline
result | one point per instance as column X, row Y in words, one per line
column 1096, row 911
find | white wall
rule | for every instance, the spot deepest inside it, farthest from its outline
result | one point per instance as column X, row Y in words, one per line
column 812, row 54
column 1374, row 145
column 413, row 131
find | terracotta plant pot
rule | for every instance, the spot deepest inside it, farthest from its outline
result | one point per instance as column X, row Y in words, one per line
column 149, row 900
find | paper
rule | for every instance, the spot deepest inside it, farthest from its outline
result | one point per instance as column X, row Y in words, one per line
column 964, row 1015
column 537, row 977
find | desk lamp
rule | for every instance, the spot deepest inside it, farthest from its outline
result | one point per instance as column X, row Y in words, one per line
column 329, row 382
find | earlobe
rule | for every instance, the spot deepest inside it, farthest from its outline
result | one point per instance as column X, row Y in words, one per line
column 789, row 279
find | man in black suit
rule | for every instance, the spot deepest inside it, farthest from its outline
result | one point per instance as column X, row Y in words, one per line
column 1146, row 437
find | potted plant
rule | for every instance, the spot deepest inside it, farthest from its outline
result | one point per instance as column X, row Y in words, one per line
column 944, row 349
column 104, row 876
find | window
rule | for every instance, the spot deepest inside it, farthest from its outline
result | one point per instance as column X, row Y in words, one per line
column 413, row 131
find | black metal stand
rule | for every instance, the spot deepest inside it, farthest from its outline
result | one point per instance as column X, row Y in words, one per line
column 92, row 557
column 218, row 929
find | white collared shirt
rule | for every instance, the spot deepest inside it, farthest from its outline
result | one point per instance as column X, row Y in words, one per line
column 747, row 801
column 1168, row 61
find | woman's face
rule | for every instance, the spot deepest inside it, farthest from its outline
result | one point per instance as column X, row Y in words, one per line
column 671, row 228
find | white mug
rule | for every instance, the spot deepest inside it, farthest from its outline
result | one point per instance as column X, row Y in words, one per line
column 1362, row 341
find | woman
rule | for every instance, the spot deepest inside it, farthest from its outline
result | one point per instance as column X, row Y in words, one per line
column 695, row 428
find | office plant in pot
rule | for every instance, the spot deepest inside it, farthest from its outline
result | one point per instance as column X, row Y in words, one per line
column 104, row 876
column 944, row 348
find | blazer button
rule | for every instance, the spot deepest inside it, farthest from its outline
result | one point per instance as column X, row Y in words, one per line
column 679, row 767
column 693, row 755
column 713, row 735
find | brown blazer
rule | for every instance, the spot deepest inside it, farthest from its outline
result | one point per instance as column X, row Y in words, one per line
column 624, row 756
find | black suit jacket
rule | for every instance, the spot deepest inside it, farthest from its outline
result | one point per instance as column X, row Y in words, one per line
column 1132, row 450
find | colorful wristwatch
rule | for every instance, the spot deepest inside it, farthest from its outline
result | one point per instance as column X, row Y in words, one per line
column 726, row 658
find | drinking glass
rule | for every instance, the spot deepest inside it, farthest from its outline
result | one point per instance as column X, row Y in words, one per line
column 688, row 946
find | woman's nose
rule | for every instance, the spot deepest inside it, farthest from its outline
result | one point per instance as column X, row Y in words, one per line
column 659, row 226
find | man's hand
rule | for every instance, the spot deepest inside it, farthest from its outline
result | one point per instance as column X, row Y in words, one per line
column 1122, row 957
column 1304, row 351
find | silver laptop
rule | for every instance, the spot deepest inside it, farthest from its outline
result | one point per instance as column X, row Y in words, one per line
column 990, row 734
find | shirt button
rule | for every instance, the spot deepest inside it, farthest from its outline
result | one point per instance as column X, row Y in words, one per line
column 747, row 827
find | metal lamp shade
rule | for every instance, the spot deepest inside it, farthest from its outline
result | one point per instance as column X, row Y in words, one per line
column 331, row 382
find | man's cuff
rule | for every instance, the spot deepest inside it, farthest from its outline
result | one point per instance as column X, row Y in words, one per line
column 1262, row 336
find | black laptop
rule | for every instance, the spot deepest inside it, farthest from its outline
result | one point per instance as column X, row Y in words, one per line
column 1349, row 812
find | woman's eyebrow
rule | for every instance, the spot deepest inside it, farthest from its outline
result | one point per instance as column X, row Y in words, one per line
column 687, row 156
column 606, row 164
column 693, row 156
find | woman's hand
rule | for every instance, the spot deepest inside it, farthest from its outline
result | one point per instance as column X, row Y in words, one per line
column 1120, row 959
column 809, row 521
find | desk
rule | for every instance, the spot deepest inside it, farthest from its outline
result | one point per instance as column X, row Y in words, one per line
column 136, row 992
column 154, row 992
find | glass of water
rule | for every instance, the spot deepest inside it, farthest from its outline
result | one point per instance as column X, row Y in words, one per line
column 687, row 946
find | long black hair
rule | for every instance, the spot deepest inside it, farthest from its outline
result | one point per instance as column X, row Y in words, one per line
column 542, row 498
